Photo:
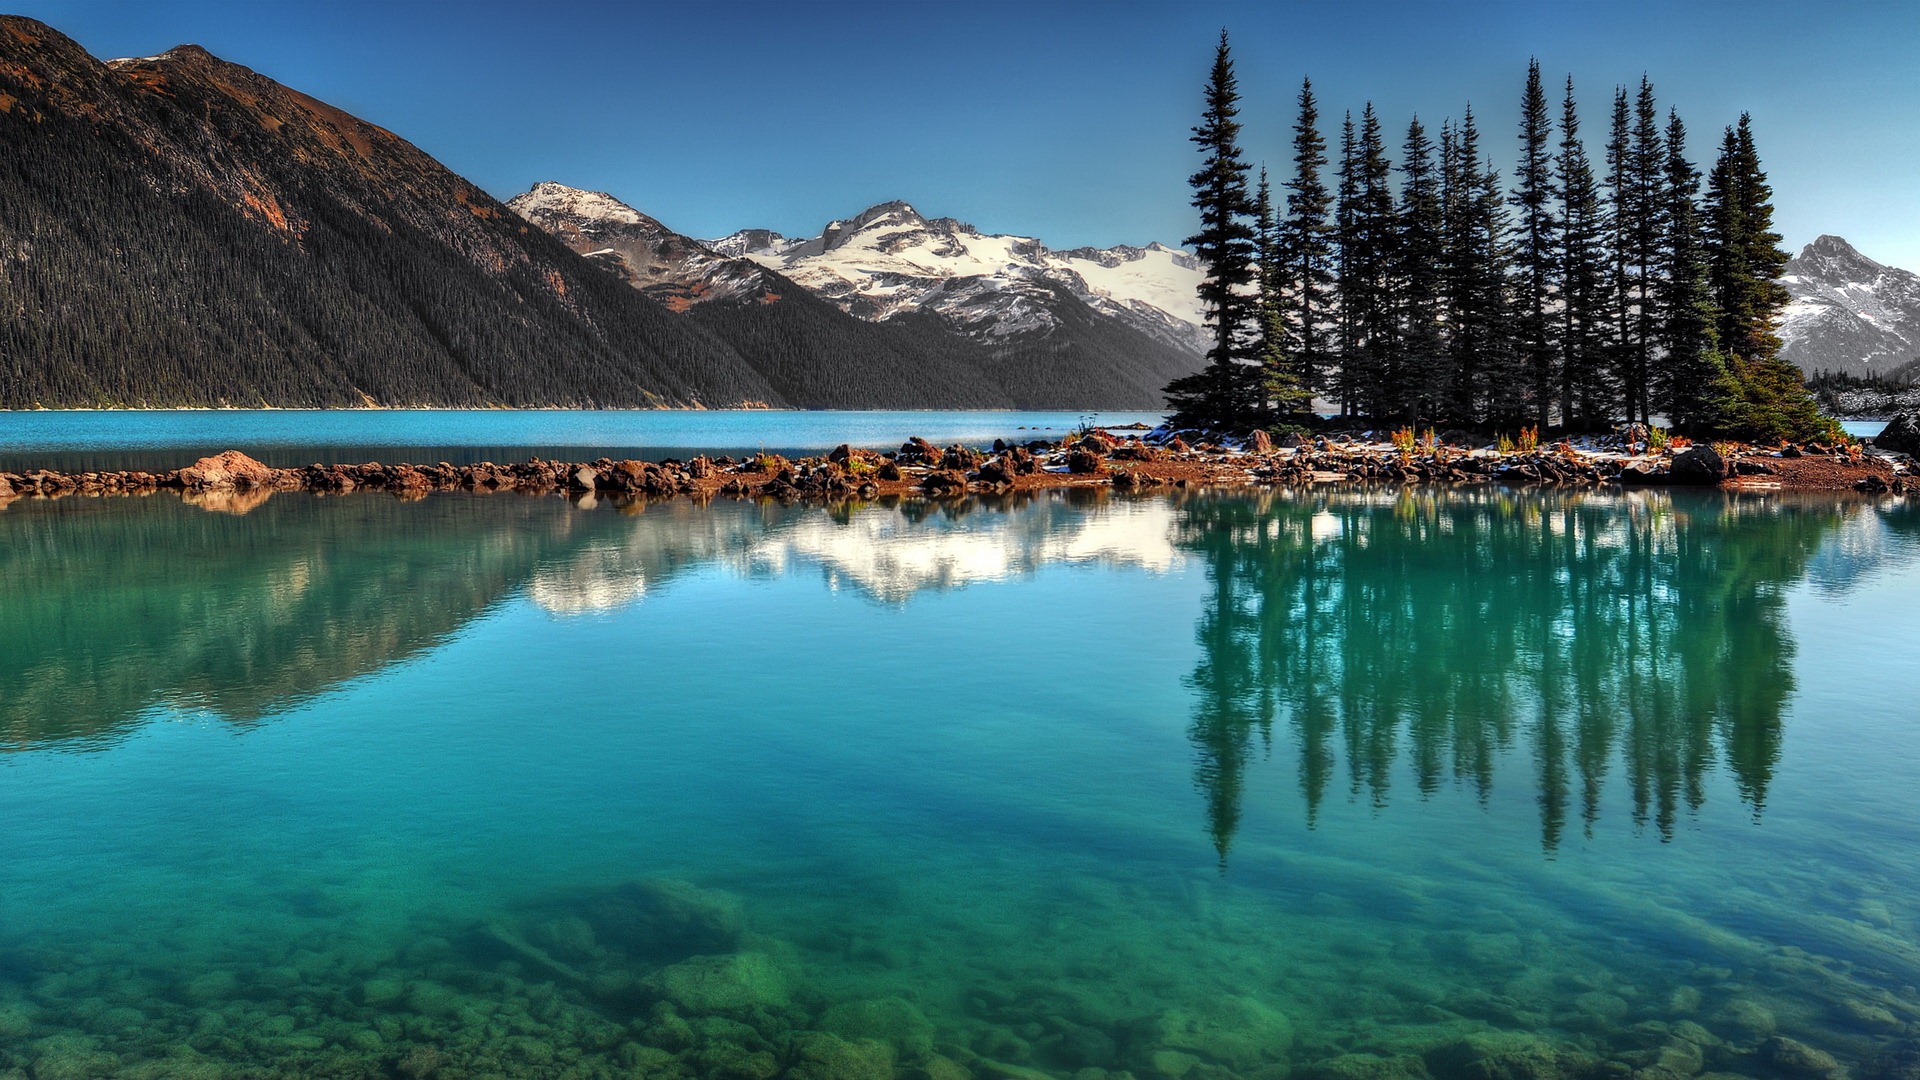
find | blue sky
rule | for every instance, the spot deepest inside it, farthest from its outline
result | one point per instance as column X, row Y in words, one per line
column 1063, row 121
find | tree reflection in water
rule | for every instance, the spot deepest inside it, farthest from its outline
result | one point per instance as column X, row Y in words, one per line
column 1644, row 631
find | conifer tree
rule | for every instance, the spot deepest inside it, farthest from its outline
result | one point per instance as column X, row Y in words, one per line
column 1534, row 249
column 1306, row 240
column 1693, row 387
column 1348, row 266
column 1422, row 254
column 1646, row 168
column 1769, row 399
column 1280, row 389
column 1581, row 273
column 1620, row 212
column 1478, row 311
column 1376, row 230
column 1221, row 397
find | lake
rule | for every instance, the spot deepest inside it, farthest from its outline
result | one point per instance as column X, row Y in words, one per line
column 168, row 439
column 1343, row 783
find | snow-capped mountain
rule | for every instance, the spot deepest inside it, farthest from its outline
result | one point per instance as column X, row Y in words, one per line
column 975, row 341
column 1849, row 313
column 673, row 269
column 889, row 260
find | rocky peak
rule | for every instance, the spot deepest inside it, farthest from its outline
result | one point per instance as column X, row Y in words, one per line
column 551, row 201
column 1831, row 259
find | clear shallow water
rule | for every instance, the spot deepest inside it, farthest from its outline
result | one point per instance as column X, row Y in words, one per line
column 164, row 439
column 1362, row 784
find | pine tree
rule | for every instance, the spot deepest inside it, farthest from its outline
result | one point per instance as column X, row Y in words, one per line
column 1581, row 272
column 1534, row 249
column 1377, row 228
column 1422, row 254
column 1281, row 391
column 1479, row 353
column 1222, row 396
column 1646, row 168
column 1694, row 384
column 1348, row 266
column 1620, row 251
column 1769, row 400
column 1306, row 239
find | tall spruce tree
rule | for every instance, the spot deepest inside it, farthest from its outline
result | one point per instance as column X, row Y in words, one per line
column 1422, row 255
column 1534, row 250
column 1349, row 273
column 1376, row 229
column 1307, row 252
column 1484, row 384
column 1280, row 390
column 1646, row 178
column 1620, row 214
column 1224, row 395
column 1693, row 387
column 1581, row 273
column 1769, row 399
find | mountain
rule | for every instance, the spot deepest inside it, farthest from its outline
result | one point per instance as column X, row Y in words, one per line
column 1035, row 343
column 1849, row 314
column 889, row 259
column 179, row 230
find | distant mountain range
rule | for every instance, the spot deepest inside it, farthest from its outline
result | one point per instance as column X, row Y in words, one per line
column 976, row 313
column 1849, row 314
column 179, row 230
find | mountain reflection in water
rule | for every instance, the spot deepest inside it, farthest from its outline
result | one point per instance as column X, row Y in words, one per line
column 1360, row 634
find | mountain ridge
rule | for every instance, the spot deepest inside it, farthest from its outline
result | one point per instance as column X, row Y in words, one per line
column 1849, row 314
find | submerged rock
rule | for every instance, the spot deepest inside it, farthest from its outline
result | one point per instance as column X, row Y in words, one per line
column 1238, row 1032
column 664, row 920
column 820, row 1055
column 734, row 983
column 893, row 1021
column 1799, row 1059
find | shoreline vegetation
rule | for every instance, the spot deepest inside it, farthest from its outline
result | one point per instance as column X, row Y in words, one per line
column 1094, row 458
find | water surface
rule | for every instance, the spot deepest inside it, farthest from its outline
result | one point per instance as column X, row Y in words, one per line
column 168, row 439
column 1354, row 783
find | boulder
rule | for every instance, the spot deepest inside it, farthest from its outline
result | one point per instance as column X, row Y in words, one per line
column 1799, row 1059
column 1237, row 1032
column 700, row 468
column 582, row 479
column 227, row 469
column 1902, row 434
column 1259, row 442
column 996, row 472
column 705, row 985
column 961, row 458
column 888, row 471
column 1094, row 442
column 1697, row 465
column 1082, row 462
column 945, row 483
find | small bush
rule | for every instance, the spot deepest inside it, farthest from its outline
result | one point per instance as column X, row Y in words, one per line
column 1403, row 441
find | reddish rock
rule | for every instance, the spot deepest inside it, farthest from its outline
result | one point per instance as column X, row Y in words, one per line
column 227, row 469
column 944, row 483
column 1082, row 462
column 889, row 471
column 1259, row 442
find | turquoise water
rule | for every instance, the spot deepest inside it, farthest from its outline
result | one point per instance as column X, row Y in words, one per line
column 166, row 439
column 1338, row 784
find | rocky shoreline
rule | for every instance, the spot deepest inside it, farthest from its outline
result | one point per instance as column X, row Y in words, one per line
column 1096, row 458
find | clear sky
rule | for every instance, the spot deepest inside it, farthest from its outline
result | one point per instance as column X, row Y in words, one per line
column 1064, row 121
